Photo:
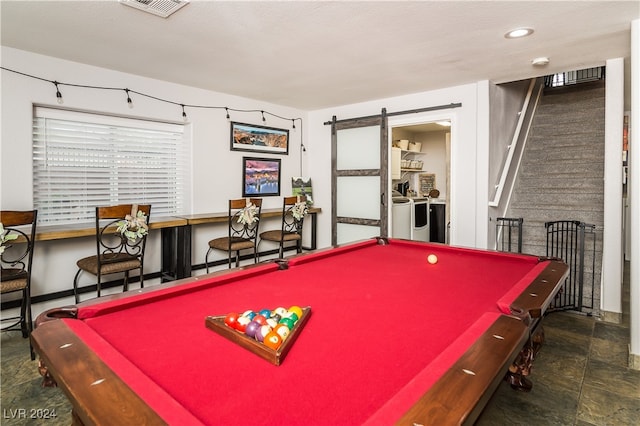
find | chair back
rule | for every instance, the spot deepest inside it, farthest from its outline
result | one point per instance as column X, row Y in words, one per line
column 238, row 229
column 113, row 242
column 291, row 223
column 18, row 242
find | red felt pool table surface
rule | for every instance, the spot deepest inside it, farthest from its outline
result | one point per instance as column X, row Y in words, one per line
column 385, row 325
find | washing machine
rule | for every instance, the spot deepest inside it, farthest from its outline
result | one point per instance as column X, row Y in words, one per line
column 401, row 217
column 420, row 219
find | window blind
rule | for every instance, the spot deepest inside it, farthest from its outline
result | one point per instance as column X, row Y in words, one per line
column 82, row 160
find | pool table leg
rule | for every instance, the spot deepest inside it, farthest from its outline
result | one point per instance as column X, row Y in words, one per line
column 521, row 367
column 47, row 380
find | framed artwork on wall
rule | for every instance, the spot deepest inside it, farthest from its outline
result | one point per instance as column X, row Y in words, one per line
column 251, row 137
column 260, row 177
column 302, row 186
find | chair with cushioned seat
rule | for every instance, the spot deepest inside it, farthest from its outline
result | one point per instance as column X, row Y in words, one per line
column 16, row 256
column 291, row 228
column 121, row 238
column 244, row 221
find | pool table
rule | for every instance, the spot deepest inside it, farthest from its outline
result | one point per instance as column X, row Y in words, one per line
column 391, row 338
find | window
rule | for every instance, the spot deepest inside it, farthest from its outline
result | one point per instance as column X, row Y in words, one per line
column 83, row 160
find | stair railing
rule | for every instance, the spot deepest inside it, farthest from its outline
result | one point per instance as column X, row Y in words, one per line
column 517, row 145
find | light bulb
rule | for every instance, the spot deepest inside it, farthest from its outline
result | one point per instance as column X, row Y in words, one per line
column 58, row 94
column 129, row 101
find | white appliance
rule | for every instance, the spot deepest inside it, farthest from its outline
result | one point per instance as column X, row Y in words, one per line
column 401, row 218
column 420, row 219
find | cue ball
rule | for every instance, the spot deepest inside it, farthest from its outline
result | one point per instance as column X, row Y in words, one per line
column 432, row 259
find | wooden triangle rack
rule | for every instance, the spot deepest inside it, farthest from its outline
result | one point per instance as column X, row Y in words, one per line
column 275, row 356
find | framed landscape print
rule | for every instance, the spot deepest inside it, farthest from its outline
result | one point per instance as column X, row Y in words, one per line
column 302, row 186
column 251, row 137
column 260, row 177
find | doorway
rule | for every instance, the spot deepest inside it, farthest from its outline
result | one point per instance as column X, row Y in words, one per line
column 421, row 165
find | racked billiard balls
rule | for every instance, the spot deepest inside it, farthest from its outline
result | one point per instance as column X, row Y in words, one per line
column 260, row 319
column 262, row 332
column 231, row 319
column 282, row 330
column 265, row 313
column 288, row 322
column 241, row 323
column 272, row 322
column 272, row 340
column 251, row 328
column 280, row 311
column 297, row 310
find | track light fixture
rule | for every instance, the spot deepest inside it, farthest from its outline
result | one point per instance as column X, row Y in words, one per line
column 184, row 114
column 263, row 119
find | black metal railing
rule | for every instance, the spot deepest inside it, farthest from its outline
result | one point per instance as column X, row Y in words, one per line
column 574, row 77
column 566, row 240
column 509, row 234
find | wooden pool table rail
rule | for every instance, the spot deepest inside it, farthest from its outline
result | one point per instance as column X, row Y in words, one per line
column 458, row 397
column 90, row 385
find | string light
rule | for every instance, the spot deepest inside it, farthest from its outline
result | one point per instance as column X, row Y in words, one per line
column 58, row 94
column 129, row 101
column 60, row 100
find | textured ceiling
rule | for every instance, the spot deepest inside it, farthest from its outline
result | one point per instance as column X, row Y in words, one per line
column 313, row 55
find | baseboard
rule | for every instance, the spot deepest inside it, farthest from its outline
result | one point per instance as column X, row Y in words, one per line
column 612, row 317
column 634, row 360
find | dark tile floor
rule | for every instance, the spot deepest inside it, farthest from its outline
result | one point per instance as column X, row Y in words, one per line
column 580, row 378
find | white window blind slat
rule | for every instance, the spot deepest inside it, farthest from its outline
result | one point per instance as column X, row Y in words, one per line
column 81, row 161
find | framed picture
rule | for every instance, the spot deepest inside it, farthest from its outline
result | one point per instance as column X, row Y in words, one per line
column 260, row 177
column 302, row 186
column 427, row 183
column 250, row 137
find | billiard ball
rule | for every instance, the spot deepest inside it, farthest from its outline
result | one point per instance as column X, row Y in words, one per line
column 231, row 319
column 282, row 330
column 265, row 313
column 272, row 340
column 293, row 316
column 251, row 328
column 280, row 311
column 271, row 322
column 242, row 323
column 432, row 259
column 260, row 319
column 288, row 322
column 297, row 310
column 249, row 314
column 262, row 332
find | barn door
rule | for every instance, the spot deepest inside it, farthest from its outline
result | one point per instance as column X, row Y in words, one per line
column 359, row 162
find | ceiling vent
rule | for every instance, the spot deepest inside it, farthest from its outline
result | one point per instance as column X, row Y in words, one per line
column 162, row 8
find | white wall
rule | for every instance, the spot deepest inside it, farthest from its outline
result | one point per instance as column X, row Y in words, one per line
column 634, row 194
column 217, row 169
column 612, row 261
column 469, row 151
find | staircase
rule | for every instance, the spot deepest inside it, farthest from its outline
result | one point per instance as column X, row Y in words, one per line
column 562, row 174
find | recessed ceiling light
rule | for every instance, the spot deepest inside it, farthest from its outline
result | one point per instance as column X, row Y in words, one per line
column 519, row 32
